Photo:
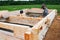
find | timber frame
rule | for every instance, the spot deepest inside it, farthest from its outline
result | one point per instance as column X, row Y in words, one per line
column 11, row 31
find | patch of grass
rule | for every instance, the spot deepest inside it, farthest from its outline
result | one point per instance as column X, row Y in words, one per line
column 19, row 7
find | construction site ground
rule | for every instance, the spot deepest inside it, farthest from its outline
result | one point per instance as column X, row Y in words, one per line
column 54, row 31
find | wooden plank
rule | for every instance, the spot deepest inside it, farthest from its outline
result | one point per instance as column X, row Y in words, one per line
column 49, row 18
column 23, row 20
column 19, row 31
column 6, row 26
column 6, row 33
column 37, row 10
column 2, row 36
column 28, row 36
column 3, row 13
column 13, row 38
column 37, row 32
column 8, row 36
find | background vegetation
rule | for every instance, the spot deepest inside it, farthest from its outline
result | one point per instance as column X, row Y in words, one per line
column 17, row 5
column 11, row 2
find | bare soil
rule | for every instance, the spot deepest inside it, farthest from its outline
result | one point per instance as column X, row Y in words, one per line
column 54, row 31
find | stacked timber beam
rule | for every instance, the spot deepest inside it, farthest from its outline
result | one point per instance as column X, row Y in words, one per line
column 14, row 30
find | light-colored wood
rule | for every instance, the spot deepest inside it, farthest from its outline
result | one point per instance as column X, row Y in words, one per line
column 6, row 26
column 37, row 10
column 5, row 36
column 28, row 36
column 21, row 32
column 6, row 33
column 13, row 38
column 2, row 36
column 49, row 18
column 23, row 20
column 3, row 13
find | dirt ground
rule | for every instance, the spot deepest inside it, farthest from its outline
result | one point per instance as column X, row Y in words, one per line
column 54, row 31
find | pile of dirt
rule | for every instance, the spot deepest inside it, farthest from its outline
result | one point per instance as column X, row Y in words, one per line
column 54, row 31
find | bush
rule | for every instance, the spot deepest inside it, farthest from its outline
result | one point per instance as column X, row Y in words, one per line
column 28, row 2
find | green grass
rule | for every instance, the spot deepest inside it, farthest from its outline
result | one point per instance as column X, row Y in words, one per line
column 18, row 7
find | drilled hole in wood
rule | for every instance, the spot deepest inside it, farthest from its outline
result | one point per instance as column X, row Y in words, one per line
column 41, row 28
column 7, row 18
column 46, row 22
column 1, row 16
